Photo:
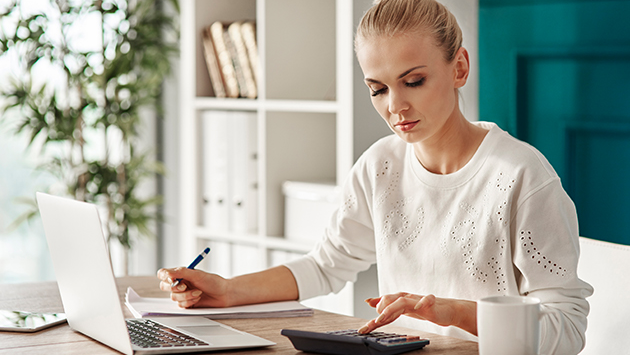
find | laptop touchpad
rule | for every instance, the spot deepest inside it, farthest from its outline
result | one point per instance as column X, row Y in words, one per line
column 204, row 330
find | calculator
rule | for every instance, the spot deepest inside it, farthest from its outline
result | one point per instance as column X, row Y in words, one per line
column 349, row 341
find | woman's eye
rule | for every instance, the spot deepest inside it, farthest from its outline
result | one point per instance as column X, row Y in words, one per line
column 413, row 84
column 378, row 92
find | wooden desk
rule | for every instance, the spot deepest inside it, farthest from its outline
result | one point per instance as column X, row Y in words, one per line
column 44, row 297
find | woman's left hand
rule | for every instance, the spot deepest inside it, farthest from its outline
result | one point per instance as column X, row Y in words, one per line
column 441, row 311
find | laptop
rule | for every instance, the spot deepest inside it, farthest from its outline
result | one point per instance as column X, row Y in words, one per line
column 90, row 298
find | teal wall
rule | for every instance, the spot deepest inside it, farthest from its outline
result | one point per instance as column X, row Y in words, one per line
column 557, row 75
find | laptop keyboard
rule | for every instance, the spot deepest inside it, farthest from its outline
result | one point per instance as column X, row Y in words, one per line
column 146, row 333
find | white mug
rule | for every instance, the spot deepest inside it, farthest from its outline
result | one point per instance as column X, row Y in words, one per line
column 508, row 325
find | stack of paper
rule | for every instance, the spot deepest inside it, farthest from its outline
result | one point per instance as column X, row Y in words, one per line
column 152, row 307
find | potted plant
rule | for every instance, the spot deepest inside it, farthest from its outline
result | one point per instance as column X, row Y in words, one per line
column 88, row 125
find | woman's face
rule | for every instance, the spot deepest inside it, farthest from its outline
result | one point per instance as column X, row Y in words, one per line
column 413, row 88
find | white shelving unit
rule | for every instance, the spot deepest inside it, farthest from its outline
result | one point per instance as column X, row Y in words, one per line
column 304, row 113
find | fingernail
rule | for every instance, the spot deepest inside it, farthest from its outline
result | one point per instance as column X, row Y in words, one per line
column 368, row 300
column 182, row 287
column 196, row 293
column 363, row 329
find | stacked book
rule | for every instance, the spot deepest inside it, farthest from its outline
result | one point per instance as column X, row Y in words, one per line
column 231, row 55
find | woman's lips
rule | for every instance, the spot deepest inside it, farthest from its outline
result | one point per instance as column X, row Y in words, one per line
column 406, row 125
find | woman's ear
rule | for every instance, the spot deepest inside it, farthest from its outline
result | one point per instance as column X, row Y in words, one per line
column 462, row 67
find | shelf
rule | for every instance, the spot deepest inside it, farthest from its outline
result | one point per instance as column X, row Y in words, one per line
column 213, row 103
column 301, row 106
column 284, row 244
column 268, row 242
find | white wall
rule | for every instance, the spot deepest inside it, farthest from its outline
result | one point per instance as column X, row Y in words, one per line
column 467, row 14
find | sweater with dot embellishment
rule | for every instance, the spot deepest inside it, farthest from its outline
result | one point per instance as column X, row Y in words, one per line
column 501, row 225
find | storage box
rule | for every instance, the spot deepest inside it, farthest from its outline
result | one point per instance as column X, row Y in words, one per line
column 308, row 209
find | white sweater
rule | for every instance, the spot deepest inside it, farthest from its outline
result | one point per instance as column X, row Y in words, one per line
column 501, row 225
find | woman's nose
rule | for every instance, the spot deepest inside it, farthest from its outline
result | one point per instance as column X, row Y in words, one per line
column 397, row 103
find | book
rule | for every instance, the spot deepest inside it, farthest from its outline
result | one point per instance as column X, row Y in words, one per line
column 236, row 63
column 142, row 307
column 242, row 65
column 214, row 70
column 225, row 59
column 248, row 32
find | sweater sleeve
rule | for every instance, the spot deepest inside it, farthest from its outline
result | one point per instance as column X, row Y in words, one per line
column 347, row 246
column 545, row 255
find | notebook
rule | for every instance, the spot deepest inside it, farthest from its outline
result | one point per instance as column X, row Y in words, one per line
column 142, row 307
column 90, row 298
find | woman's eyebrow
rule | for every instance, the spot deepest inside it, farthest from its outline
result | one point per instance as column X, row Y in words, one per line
column 410, row 70
column 405, row 73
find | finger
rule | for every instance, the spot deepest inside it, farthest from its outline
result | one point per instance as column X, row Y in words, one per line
column 165, row 286
column 163, row 274
column 372, row 302
column 168, row 286
column 381, row 320
column 384, row 302
column 368, row 327
column 179, row 288
column 425, row 303
column 393, row 311
column 168, row 275
column 180, row 297
column 191, row 275
column 189, row 303
column 389, row 299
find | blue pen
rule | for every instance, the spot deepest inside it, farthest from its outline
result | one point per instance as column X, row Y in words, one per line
column 193, row 264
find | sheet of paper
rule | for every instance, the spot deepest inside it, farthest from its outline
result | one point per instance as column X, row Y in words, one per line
column 147, row 307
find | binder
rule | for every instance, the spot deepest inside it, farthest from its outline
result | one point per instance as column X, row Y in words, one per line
column 243, row 172
column 230, row 171
column 215, row 125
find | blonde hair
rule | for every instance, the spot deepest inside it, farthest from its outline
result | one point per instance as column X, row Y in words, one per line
column 393, row 17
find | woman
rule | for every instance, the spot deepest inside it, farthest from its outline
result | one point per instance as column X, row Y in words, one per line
column 451, row 211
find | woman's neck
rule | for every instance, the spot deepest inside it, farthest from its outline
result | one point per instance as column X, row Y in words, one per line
column 452, row 149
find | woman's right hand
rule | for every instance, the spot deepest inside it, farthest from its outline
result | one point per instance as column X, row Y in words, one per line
column 197, row 289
